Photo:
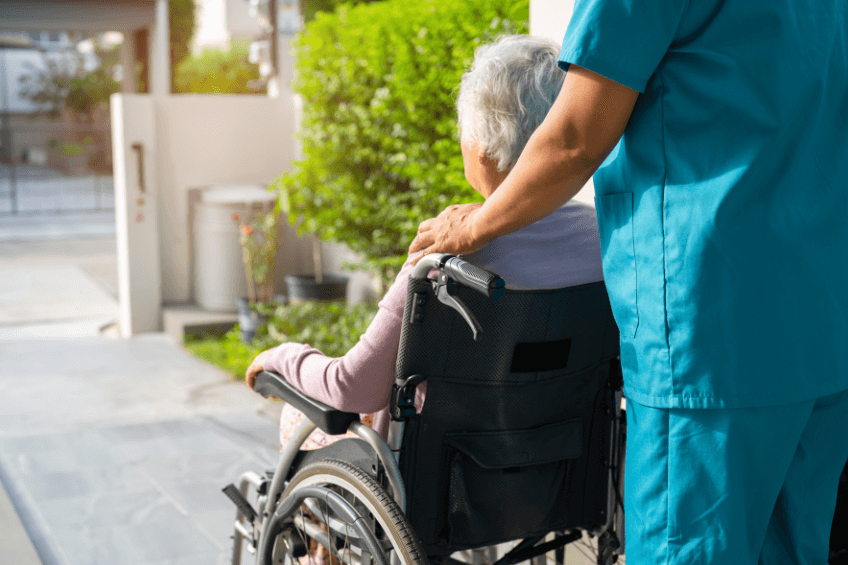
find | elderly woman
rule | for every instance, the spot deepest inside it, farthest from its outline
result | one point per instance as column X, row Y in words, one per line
column 502, row 99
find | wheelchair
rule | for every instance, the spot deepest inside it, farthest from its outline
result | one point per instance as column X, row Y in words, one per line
column 521, row 438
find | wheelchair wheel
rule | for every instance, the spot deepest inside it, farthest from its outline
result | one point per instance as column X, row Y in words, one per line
column 317, row 522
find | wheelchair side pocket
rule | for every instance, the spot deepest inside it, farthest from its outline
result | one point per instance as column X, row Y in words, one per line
column 495, row 476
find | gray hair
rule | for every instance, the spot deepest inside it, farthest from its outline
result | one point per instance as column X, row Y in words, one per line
column 507, row 93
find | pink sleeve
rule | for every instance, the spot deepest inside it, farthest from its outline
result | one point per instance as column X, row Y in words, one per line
column 361, row 380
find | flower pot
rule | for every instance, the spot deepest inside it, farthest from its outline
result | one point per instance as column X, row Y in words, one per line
column 303, row 288
column 249, row 320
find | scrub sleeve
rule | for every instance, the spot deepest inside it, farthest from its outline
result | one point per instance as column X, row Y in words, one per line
column 722, row 221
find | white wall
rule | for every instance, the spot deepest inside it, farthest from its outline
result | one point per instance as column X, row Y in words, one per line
column 549, row 18
column 240, row 24
column 211, row 21
column 205, row 140
column 221, row 21
column 136, row 206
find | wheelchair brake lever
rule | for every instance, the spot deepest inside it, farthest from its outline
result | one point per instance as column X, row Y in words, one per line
column 445, row 292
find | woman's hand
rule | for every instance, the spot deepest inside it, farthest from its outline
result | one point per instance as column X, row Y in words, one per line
column 449, row 232
column 256, row 367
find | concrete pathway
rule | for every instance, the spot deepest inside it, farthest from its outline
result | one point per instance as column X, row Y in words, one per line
column 115, row 452
column 15, row 544
column 56, row 227
column 46, row 293
column 111, row 451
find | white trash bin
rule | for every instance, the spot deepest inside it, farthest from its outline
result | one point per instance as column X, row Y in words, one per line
column 219, row 277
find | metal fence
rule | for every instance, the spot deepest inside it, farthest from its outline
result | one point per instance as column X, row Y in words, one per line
column 53, row 168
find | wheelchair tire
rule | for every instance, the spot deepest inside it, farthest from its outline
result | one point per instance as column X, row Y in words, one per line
column 355, row 482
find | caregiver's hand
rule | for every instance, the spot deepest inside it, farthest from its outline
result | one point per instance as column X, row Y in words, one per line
column 452, row 231
column 256, row 367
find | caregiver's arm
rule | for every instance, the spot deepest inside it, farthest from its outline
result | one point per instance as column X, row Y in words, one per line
column 581, row 129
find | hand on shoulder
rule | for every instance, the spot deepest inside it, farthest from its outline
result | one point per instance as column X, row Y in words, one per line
column 449, row 232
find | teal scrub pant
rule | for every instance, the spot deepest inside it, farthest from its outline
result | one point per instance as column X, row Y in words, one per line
column 733, row 486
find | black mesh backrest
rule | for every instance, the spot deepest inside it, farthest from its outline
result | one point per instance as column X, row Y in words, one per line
column 512, row 437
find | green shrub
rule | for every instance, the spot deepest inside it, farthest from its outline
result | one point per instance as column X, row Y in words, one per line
column 333, row 328
column 380, row 144
column 227, row 352
column 218, row 71
column 310, row 8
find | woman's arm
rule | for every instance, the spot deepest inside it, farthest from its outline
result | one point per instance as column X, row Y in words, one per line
column 581, row 129
column 361, row 380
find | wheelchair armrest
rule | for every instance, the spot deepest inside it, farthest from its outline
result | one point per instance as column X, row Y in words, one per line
column 330, row 420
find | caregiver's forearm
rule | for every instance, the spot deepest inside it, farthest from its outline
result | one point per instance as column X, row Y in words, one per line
column 546, row 176
column 582, row 128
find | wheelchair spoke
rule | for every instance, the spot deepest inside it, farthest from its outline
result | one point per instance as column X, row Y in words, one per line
column 310, row 531
column 340, row 538
column 303, row 538
column 326, row 518
column 340, row 527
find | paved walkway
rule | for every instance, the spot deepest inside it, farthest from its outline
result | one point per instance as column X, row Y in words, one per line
column 111, row 451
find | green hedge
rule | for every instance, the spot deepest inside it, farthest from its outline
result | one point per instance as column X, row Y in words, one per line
column 333, row 328
column 310, row 8
column 381, row 151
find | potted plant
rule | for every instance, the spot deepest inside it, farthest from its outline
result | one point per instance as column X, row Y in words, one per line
column 320, row 286
column 258, row 238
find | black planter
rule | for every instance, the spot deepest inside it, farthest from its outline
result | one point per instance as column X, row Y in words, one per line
column 248, row 320
column 304, row 287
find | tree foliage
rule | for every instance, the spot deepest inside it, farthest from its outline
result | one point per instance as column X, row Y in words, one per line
column 182, row 23
column 310, row 8
column 65, row 87
column 379, row 133
column 218, row 71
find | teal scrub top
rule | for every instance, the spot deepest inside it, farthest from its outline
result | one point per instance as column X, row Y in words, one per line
column 723, row 211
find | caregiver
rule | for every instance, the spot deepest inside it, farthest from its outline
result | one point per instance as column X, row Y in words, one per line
column 717, row 131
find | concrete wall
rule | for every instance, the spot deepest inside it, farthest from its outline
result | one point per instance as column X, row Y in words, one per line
column 549, row 18
column 221, row 21
column 240, row 24
column 136, row 206
column 211, row 24
column 205, row 140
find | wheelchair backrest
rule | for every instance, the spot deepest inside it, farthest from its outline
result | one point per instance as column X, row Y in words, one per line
column 513, row 434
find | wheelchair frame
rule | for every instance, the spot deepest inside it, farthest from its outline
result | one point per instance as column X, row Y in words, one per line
column 259, row 526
